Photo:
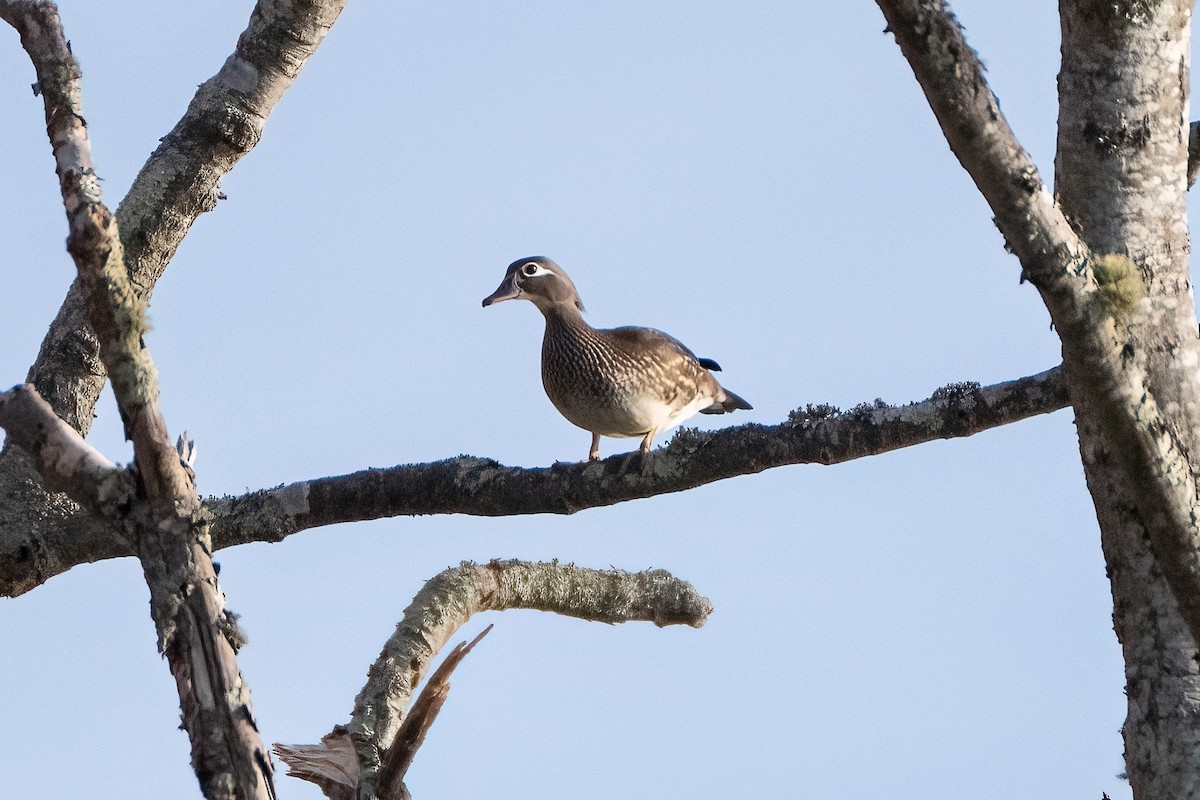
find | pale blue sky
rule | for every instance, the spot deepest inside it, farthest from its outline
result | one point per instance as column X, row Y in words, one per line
column 765, row 182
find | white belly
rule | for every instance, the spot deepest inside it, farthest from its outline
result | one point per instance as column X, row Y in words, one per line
column 644, row 414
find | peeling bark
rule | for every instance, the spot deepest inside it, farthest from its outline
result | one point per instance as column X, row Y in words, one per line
column 436, row 614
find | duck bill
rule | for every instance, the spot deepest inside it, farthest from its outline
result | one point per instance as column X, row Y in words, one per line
column 507, row 291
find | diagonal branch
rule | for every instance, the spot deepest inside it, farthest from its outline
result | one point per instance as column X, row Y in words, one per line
column 483, row 487
column 179, row 182
column 165, row 519
column 1089, row 295
column 398, row 757
column 333, row 765
column 65, row 461
column 451, row 598
column 950, row 74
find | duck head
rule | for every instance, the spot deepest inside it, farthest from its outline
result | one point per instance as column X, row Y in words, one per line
column 539, row 280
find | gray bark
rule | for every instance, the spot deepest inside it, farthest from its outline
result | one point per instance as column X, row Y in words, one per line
column 359, row 759
column 1120, row 176
column 480, row 486
column 163, row 516
column 105, row 313
column 1108, row 255
column 179, row 182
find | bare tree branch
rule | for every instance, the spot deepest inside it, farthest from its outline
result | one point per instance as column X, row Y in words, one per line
column 484, row 487
column 65, row 461
column 951, row 76
column 1090, row 296
column 179, row 182
column 333, row 765
column 446, row 603
column 411, row 735
column 168, row 526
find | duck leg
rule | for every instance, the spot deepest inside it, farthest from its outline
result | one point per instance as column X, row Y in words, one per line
column 645, row 448
column 594, row 453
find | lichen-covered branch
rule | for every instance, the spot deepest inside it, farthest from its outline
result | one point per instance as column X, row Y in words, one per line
column 165, row 519
column 179, row 182
column 448, row 600
column 1093, row 298
column 452, row 597
column 398, row 757
column 333, row 764
column 479, row 486
column 65, row 461
column 484, row 487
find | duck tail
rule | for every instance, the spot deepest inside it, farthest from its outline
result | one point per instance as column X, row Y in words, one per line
column 728, row 402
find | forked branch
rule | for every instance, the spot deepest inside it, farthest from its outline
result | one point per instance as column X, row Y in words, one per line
column 165, row 518
column 180, row 181
column 436, row 614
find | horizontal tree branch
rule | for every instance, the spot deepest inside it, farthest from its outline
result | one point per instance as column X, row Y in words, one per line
column 452, row 597
column 484, row 487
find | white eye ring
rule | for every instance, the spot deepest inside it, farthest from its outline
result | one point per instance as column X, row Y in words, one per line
column 532, row 269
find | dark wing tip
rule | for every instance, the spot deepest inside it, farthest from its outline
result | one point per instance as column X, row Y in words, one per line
column 732, row 402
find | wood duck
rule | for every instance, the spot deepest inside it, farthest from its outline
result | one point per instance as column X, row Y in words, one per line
column 622, row 382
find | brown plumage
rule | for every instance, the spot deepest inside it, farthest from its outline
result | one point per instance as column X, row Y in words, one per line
column 621, row 382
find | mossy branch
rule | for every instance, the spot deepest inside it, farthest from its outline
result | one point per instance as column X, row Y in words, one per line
column 350, row 761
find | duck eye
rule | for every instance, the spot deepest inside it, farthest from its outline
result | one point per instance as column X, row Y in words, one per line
column 530, row 269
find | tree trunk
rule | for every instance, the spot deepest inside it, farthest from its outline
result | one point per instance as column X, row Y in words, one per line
column 1120, row 178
